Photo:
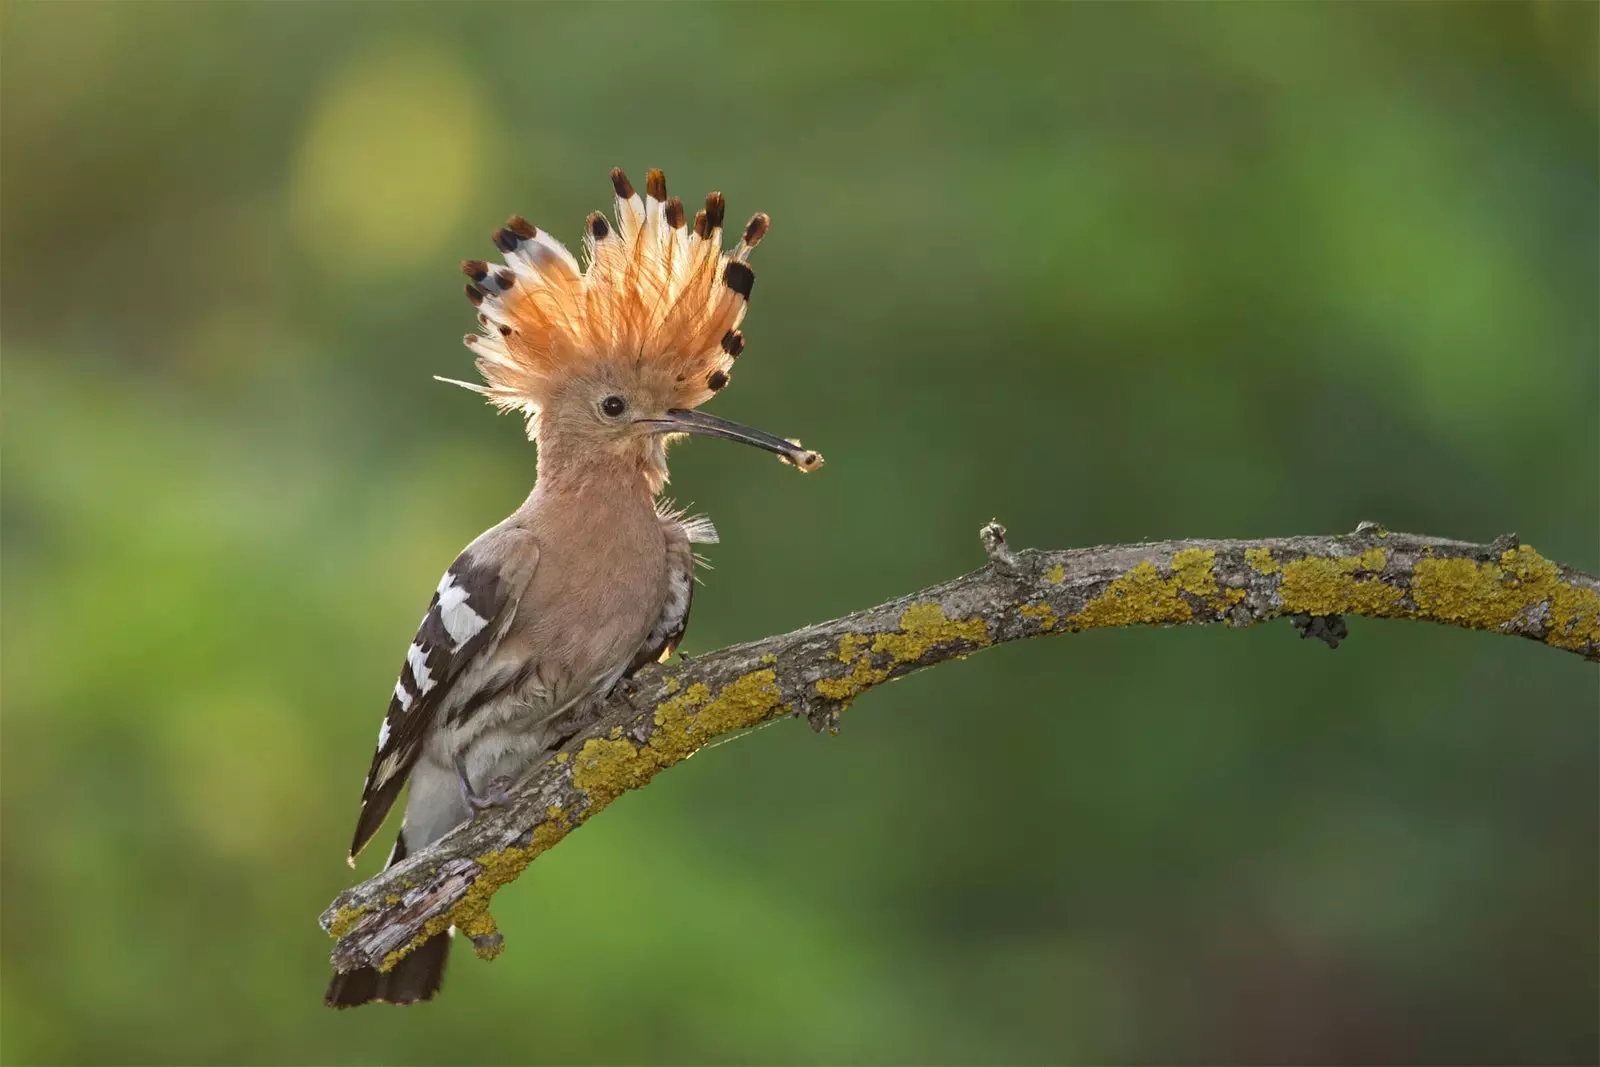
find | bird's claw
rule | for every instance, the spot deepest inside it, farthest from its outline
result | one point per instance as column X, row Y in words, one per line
column 625, row 689
column 497, row 794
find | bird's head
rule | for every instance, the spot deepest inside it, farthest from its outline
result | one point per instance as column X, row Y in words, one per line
column 611, row 359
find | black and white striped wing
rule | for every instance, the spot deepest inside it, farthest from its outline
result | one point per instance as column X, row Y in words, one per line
column 466, row 618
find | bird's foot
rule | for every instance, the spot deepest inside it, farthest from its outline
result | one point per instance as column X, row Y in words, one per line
column 496, row 795
column 625, row 689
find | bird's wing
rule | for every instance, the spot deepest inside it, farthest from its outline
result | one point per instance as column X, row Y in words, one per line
column 468, row 615
column 683, row 532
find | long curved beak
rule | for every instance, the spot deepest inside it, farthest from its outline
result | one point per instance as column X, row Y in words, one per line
column 682, row 420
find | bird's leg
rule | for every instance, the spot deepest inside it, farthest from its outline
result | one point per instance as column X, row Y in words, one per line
column 497, row 795
column 623, row 690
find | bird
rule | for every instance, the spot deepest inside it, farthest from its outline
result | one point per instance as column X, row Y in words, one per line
column 544, row 617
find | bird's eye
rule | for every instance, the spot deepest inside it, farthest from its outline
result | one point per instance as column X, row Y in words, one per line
column 613, row 406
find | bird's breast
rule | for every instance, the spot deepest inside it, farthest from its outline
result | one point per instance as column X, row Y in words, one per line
column 592, row 602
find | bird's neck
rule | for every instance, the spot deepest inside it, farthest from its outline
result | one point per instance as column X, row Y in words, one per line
column 628, row 477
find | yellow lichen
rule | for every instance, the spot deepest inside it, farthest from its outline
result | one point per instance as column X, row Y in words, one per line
column 1523, row 588
column 922, row 626
column 471, row 913
column 1327, row 585
column 1140, row 596
column 695, row 695
column 748, row 700
column 1261, row 559
column 345, row 919
column 1056, row 575
column 1373, row 559
column 1043, row 612
column 769, row 660
column 1143, row 596
column 671, row 684
column 605, row 769
column 850, row 651
column 1319, row 587
column 1193, row 569
column 482, row 929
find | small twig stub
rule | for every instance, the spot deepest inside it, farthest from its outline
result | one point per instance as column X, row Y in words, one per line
column 993, row 536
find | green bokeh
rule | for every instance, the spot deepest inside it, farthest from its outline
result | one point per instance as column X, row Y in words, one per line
column 1107, row 272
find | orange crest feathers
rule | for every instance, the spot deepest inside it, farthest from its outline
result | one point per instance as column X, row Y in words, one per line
column 657, row 297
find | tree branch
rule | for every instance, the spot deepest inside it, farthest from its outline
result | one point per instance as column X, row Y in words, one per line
column 677, row 709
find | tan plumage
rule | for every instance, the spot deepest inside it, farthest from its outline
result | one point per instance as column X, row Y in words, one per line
column 537, row 620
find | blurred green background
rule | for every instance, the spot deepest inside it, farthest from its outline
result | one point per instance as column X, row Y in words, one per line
column 1107, row 272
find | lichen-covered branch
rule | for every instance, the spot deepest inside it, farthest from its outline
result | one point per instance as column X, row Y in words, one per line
column 678, row 708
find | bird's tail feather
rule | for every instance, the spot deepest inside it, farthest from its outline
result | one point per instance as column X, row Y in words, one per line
column 415, row 978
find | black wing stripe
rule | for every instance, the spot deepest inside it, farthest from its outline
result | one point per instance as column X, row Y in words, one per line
column 432, row 634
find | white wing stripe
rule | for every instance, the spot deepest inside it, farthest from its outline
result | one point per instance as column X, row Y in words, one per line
column 417, row 657
column 387, row 769
column 460, row 621
column 403, row 695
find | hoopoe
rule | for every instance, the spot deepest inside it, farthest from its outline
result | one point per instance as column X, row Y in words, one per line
column 539, row 619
